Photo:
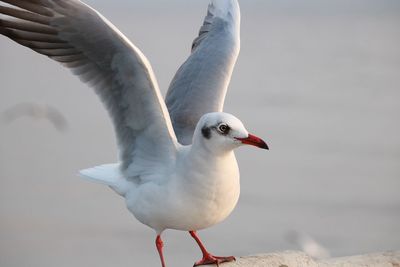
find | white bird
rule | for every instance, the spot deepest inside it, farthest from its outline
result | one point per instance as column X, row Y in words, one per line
column 36, row 111
column 177, row 169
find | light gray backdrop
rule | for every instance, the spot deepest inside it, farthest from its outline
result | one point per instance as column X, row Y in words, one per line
column 319, row 80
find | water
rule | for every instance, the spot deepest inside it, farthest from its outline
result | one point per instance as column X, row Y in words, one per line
column 319, row 80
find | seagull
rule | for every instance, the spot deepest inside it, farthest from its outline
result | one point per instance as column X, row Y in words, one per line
column 177, row 168
column 38, row 112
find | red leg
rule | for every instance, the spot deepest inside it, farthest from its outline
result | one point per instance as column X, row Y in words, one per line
column 159, row 245
column 208, row 258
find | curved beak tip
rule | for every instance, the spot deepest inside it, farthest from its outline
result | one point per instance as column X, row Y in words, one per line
column 265, row 146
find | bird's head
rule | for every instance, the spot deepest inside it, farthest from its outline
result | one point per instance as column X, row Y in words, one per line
column 224, row 132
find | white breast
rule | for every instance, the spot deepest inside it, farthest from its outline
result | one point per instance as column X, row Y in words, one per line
column 202, row 192
column 210, row 193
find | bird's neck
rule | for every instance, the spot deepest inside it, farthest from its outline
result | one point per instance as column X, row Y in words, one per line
column 203, row 157
column 204, row 148
column 205, row 173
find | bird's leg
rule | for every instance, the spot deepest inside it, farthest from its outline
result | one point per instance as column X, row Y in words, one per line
column 159, row 245
column 208, row 258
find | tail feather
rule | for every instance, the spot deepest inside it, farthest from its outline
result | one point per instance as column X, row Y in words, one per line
column 107, row 174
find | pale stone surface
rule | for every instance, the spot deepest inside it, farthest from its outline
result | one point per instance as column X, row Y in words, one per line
column 300, row 259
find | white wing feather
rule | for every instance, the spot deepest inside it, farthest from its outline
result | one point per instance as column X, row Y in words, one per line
column 201, row 83
column 82, row 40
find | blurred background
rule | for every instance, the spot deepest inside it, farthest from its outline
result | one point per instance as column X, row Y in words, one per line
column 318, row 80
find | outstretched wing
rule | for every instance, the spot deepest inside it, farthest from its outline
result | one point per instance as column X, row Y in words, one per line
column 201, row 83
column 81, row 39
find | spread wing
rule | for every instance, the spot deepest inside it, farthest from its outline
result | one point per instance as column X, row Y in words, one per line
column 201, row 83
column 82, row 40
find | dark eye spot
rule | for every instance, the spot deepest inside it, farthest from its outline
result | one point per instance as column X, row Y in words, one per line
column 224, row 129
column 206, row 132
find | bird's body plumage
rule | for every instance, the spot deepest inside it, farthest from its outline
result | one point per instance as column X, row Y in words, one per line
column 199, row 188
column 188, row 200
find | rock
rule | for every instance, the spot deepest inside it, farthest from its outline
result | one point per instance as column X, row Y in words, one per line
column 300, row 259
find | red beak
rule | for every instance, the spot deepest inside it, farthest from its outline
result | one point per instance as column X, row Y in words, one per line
column 254, row 141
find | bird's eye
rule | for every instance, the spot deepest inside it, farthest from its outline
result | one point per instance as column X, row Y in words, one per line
column 223, row 128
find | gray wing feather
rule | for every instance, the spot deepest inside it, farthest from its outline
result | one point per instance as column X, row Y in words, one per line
column 82, row 40
column 201, row 83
